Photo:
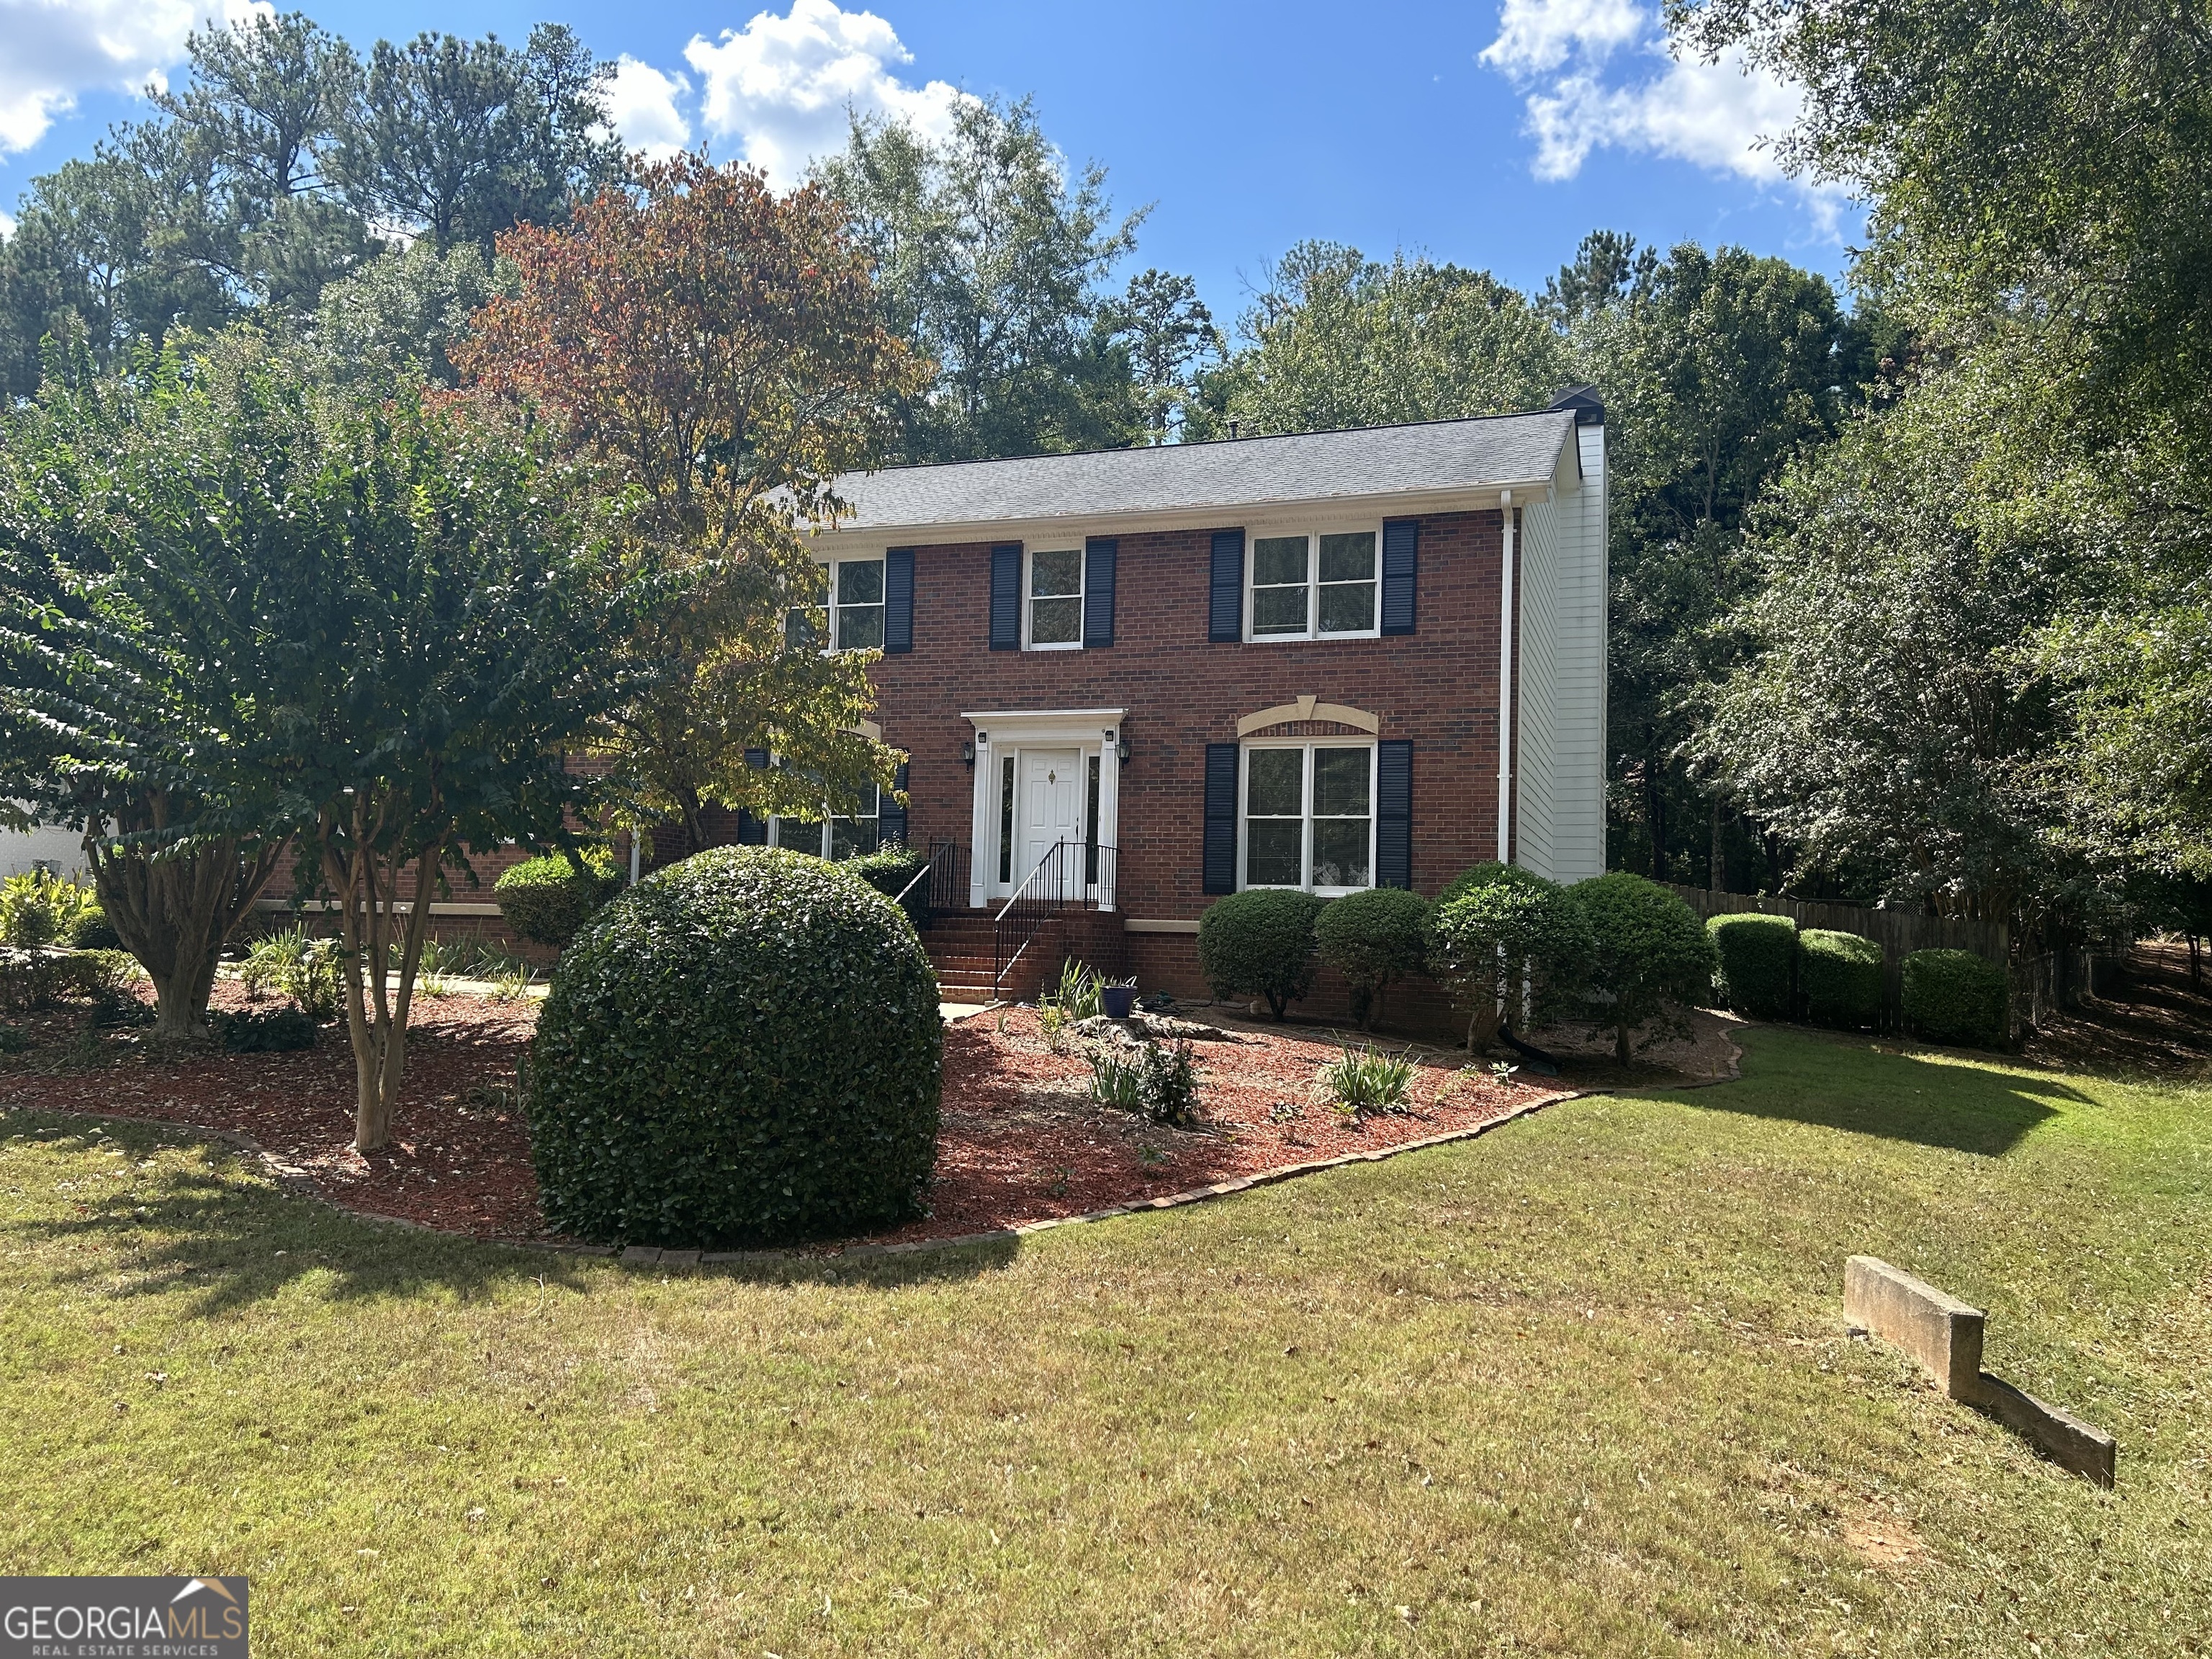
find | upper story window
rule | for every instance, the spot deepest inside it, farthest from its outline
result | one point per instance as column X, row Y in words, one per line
column 1310, row 815
column 856, row 601
column 1055, row 610
column 1314, row 587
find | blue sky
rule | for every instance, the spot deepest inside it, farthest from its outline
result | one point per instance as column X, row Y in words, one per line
column 1494, row 134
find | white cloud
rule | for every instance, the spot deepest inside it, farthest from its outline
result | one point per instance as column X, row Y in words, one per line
column 7, row 224
column 642, row 108
column 783, row 85
column 58, row 49
column 1599, row 72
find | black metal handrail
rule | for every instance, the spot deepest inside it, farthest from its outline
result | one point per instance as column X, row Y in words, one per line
column 1064, row 879
column 943, row 883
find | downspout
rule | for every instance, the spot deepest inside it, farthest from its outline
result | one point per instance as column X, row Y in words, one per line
column 1506, row 676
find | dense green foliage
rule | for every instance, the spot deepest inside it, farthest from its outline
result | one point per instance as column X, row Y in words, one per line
column 891, row 870
column 1955, row 996
column 39, row 908
column 263, row 1031
column 1757, row 964
column 744, row 1048
column 1373, row 938
column 1840, row 978
column 1651, row 961
column 1508, row 944
column 1260, row 943
column 545, row 900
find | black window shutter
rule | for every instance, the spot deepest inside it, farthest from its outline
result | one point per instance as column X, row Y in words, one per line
column 1393, row 813
column 1402, row 558
column 1098, row 592
column 1225, row 623
column 751, row 831
column 890, row 817
column 1220, row 818
column 1006, row 598
column 898, row 601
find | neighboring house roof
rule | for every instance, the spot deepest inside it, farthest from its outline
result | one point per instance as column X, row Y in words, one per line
column 1435, row 459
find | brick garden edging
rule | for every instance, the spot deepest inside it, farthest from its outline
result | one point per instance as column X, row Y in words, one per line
column 298, row 1183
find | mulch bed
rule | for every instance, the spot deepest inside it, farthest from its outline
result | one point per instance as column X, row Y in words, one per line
column 1021, row 1139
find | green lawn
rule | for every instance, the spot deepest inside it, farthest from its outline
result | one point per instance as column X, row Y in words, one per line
column 1580, row 1386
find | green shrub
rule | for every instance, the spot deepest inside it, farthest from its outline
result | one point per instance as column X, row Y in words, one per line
column 545, row 900
column 1361, row 1081
column 263, row 1031
column 90, row 930
column 1955, row 996
column 1497, row 928
column 1839, row 977
column 14, row 1039
column 296, row 965
column 890, row 870
column 744, row 1048
column 1652, row 960
column 1260, row 943
column 1373, row 938
column 40, row 978
column 1758, row 964
column 42, row 908
column 1158, row 1083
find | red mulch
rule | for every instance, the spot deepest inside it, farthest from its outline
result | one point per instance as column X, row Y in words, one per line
column 1021, row 1140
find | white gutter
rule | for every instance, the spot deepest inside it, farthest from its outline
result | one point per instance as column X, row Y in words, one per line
column 1506, row 676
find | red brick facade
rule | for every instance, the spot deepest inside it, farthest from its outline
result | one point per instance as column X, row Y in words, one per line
column 1437, row 688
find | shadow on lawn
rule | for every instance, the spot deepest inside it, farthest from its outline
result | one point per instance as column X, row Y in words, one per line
column 1864, row 1087
column 223, row 1232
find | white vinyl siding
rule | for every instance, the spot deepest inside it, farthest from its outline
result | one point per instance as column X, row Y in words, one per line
column 1559, row 748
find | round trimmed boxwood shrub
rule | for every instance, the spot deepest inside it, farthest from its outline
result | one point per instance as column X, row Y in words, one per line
column 1652, row 958
column 891, row 870
column 92, row 931
column 1260, row 943
column 1497, row 929
column 743, row 1049
column 1372, row 939
column 1955, row 996
column 1758, row 962
column 1839, row 977
column 545, row 900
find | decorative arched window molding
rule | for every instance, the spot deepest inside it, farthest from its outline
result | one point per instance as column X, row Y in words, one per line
column 1309, row 707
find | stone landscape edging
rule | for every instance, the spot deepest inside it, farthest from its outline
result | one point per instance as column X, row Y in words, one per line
column 292, row 1179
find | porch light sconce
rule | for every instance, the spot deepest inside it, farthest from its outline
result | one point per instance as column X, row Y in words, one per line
column 1121, row 750
column 967, row 752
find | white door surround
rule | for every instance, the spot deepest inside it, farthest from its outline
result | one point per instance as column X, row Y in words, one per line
column 1051, row 750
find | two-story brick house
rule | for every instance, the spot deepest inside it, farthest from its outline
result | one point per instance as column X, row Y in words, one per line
column 1276, row 661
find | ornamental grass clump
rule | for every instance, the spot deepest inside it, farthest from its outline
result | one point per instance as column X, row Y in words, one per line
column 1500, row 937
column 1840, row 978
column 1373, row 938
column 1955, row 996
column 743, row 1049
column 1361, row 1081
column 1653, row 962
column 1260, row 943
column 1757, row 964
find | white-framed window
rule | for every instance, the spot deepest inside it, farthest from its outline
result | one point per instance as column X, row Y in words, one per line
column 1309, row 817
column 834, row 837
column 1052, row 607
column 1309, row 586
column 856, row 604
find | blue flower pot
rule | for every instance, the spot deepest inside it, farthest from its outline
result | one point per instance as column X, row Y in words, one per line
column 1120, row 1000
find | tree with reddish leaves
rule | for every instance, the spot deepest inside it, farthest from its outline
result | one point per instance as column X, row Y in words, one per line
column 713, row 348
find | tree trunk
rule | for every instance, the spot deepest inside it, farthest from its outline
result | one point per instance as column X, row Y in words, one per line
column 365, row 881
column 1655, row 818
column 1719, row 880
column 174, row 914
column 1621, row 1043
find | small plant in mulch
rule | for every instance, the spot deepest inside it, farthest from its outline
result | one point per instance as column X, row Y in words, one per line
column 1158, row 1084
column 1286, row 1111
column 1361, row 1082
column 13, row 1039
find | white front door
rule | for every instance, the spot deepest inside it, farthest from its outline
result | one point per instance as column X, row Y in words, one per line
column 1049, row 808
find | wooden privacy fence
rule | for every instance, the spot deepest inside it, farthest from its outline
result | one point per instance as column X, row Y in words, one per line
column 1899, row 933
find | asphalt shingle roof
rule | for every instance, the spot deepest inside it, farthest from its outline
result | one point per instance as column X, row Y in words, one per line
column 1318, row 466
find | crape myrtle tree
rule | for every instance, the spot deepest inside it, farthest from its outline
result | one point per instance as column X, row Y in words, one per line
column 713, row 349
column 142, row 700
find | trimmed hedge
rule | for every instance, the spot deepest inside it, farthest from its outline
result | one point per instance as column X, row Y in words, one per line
column 1955, row 996
column 1497, row 929
column 1758, row 962
column 743, row 1049
column 1260, row 943
column 92, row 931
column 1372, row 938
column 545, row 900
column 889, row 869
column 1839, row 977
column 1652, row 957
